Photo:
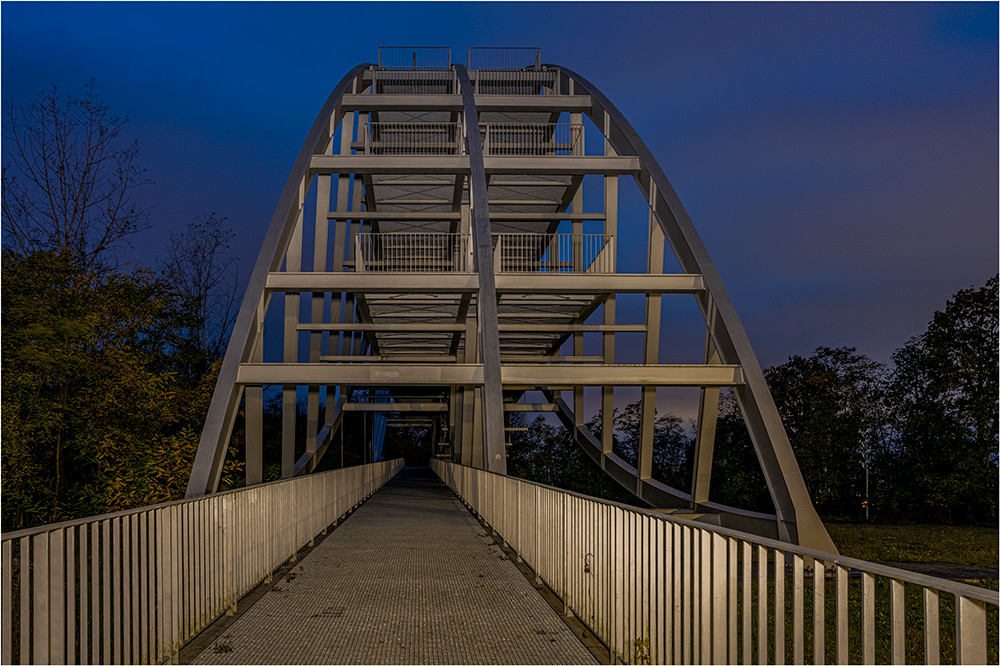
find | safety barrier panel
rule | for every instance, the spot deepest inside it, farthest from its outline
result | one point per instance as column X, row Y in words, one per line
column 414, row 82
column 532, row 138
column 554, row 253
column 135, row 586
column 413, row 252
column 503, row 58
column 658, row 589
column 396, row 138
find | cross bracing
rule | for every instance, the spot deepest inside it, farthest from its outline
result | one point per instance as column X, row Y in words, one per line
column 449, row 252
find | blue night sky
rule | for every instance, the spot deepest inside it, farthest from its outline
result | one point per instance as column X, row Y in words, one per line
column 839, row 160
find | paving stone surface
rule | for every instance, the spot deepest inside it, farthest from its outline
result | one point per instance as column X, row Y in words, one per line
column 410, row 578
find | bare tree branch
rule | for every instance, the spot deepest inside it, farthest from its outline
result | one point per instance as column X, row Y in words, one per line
column 71, row 180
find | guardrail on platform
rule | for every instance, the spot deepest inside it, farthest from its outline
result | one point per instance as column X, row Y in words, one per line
column 554, row 253
column 414, row 82
column 532, row 138
column 503, row 58
column 657, row 589
column 135, row 586
column 404, row 138
column 413, row 252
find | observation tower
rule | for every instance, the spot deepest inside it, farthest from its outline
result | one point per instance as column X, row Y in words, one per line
column 435, row 261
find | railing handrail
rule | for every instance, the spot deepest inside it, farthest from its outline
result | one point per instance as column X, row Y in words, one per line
column 940, row 584
column 48, row 527
column 502, row 51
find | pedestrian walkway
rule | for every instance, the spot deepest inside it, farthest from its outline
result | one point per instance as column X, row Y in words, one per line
column 411, row 577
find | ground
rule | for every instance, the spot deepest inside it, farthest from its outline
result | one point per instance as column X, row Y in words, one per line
column 967, row 546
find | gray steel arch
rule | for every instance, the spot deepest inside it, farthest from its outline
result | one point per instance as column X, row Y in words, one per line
column 798, row 521
column 218, row 428
column 474, row 369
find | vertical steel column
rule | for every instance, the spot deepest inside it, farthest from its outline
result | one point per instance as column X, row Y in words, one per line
column 471, row 428
column 652, row 347
column 341, row 238
column 611, row 231
column 708, row 414
column 293, row 264
column 320, row 246
column 578, row 267
column 493, row 432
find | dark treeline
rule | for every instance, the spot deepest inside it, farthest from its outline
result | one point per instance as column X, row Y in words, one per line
column 916, row 442
column 107, row 366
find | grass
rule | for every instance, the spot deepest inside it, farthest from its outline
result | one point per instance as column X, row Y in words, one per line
column 977, row 546
column 914, row 620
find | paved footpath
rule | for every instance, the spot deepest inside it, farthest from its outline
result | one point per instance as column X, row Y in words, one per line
column 410, row 578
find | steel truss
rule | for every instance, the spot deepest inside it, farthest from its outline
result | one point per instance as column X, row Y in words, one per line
column 438, row 263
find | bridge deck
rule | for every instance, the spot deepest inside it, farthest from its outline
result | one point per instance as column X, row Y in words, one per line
column 411, row 577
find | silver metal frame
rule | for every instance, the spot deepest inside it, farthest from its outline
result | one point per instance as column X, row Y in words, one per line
column 513, row 267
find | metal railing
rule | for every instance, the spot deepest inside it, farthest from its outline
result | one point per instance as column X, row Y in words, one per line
column 532, row 138
column 414, row 57
column 553, row 253
column 395, row 138
column 413, row 252
column 503, row 58
column 414, row 82
column 529, row 81
column 135, row 586
column 657, row 589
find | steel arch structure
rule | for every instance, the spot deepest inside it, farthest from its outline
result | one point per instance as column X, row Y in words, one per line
column 450, row 269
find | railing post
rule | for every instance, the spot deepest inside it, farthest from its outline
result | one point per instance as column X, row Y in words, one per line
column 498, row 255
column 359, row 260
column 970, row 631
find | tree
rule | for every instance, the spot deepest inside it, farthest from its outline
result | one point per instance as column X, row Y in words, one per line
column 547, row 454
column 737, row 479
column 95, row 416
column 204, row 276
column 71, row 184
column 945, row 390
column 832, row 406
column 671, row 445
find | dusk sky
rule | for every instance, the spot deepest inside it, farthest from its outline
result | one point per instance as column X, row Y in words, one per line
column 840, row 161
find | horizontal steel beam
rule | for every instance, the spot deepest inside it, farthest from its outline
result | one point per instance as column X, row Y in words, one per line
column 389, row 358
column 544, row 217
column 562, row 165
column 454, row 103
column 396, row 407
column 369, row 164
column 588, row 283
column 357, row 374
column 528, row 358
column 531, row 407
column 387, row 327
column 623, row 375
column 507, row 283
column 385, row 374
column 399, row 215
column 574, row 328
column 374, row 283
column 459, row 164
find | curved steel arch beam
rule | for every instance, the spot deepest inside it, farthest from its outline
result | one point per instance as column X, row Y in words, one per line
column 207, row 468
column 798, row 521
